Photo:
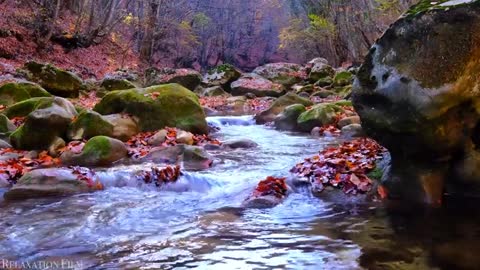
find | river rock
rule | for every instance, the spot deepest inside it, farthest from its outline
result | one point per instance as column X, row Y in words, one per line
column 239, row 144
column 6, row 125
column 4, row 144
column 89, row 124
column 222, row 76
column 417, row 91
column 279, row 105
column 214, row 91
column 342, row 78
column 319, row 69
column 348, row 121
column 287, row 120
column 286, row 74
column 124, row 126
column 98, row 151
column 192, row 157
column 55, row 80
column 256, row 84
column 157, row 107
column 319, row 115
column 120, row 80
column 55, row 147
column 187, row 78
column 43, row 125
column 353, row 130
column 184, row 137
column 11, row 93
column 158, row 138
column 47, row 182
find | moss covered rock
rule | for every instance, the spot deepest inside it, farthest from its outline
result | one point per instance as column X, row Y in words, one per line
column 43, row 125
column 124, row 126
column 286, row 74
column 12, row 93
column 287, row 120
column 89, row 124
column 98, row 151
column 187, row 78
column 279, row 105
column 320, row 70
column 317, row 116
column 324, row 82
column 257, row 85
column 25, row 107
column 56, row 81
column 343, row 78
column 222, row 75
column 47, row 182
column 157, row 107
column 214, row 91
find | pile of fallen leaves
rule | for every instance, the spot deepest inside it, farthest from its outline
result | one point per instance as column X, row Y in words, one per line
column 138, row 145
column 21, row 163
column 160, row 176
column 344, row 167
column 18, row 121
column 271, row 186
column 86, row 175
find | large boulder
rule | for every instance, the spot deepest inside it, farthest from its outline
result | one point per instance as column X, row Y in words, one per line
column 222, row 75
column 257, row 85
column 319, row 69
column 157, row 107
column 279, row 105
column 48, row 182
column 23, row 108
column 11, row 93
column 120, row 80
column 98, row 151
column 43, row 125
column 214, row 91
column 287, row 120
column 319, row 115
column 286, row 74
column 56, row 81
column 187, row 78
column 419, row 86
column 89, row 124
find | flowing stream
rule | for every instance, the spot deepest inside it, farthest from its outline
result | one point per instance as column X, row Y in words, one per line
column 197, row 223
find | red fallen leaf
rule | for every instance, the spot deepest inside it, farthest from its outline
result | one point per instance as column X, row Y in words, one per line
column 271, row 186
column 383, row 192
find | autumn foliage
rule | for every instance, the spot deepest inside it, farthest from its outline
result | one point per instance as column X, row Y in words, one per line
column 271, row 186
column 344, row 167
column 22, row 162
column 160, row 176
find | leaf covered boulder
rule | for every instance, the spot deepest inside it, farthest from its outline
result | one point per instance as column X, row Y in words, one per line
column 157, row 107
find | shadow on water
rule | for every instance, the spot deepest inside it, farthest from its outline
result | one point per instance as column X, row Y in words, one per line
column 198, row 224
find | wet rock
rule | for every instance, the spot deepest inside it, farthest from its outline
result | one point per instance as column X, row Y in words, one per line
column 353, row 130
column 319, row 115
column 192, row 157
column 279, row 105
column 56, row 81
column 124, row 126
column 256, row 84
column 157, row 107
column 11, row 93
column 89, row 124
column 98, row 151
column 187, row 78
column 287, row 120
column 222, row 75
column 43, row 125
column 348, row 121
column 239, row 143
column 47, row 182
column 286, row 74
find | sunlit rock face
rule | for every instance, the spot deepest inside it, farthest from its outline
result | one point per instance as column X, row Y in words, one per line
column 418, row 91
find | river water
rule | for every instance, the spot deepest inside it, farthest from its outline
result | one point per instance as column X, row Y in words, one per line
column 198, row 224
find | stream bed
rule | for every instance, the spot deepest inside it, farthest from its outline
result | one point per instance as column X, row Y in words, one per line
column 197, row 223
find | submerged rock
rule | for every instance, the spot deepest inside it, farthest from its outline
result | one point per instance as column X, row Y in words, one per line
column 157, row 107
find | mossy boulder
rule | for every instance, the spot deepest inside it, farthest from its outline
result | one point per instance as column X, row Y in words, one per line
column 286, row 74
column 279, row 105
column 257, row 85
column 187, row 78
column 25, row 107
column 319, row 115
column 98, row 151
column 324, row 93
column 124, row 126
column 191, row 157
column 157, row 107
column 55, row 80
column 324, row 82
column 47, row 182
column 222, row 75
column 287, row 120
column 11, row 93
column 320, row 70
column 89, row 124
column 343, row 78
column 5, row 124
column 43, row 125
